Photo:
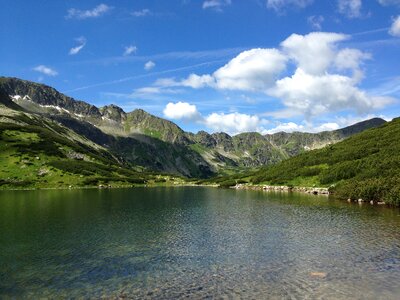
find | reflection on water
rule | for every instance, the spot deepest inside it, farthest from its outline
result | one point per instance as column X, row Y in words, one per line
column 195, row 242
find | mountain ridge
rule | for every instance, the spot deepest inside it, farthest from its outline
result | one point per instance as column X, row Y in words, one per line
column 153, row 142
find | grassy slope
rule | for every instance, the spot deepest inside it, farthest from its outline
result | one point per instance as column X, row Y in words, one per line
column 36, row 152
column 366, row 165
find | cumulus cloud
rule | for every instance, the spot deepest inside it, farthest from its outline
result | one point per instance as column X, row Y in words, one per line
column 313, row 52
column 395, row 28
column 317, row 94
column 98, row 11
column 130, row 50
column 252, row 70
column 45, row 70
column 81, row 43
column 234, row 123
column 142, row 13
column 325, row 77
column 149, row 65
column 280, row 5
column 350, row 8
column 216, row 4
column 181, row 111
column 316, row 22
column 231, row 123
column 196, row 81
column 285, row 127
column 305, row 127
column 351, row 59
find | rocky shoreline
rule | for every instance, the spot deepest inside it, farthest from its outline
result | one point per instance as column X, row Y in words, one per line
column 306, row 190
column 284, row 188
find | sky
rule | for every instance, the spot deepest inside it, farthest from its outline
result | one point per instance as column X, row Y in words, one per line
column 214, row 65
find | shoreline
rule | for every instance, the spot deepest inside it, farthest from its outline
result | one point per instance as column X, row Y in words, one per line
column 284, row 188
column 320, row 191
column 305, row 190
column 104, row 187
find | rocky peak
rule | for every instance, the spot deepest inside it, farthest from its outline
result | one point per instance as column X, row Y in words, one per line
column 205, row 139
column 45, row 96
column 113, row 112
column 6, row 100
column 223, row 140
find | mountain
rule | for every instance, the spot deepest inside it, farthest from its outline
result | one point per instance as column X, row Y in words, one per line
column 298, row 142
column 151, row 143
column 138, row 137
column 365, row 165
column 253, row 149
column 36, row 151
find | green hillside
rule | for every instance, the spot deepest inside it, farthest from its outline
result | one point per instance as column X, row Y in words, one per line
column 36, row 152
column 366, row 165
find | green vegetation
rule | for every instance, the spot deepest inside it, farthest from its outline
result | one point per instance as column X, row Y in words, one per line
column 148, row 142
column 366, row 166
column 49, row 146
column 38, row 153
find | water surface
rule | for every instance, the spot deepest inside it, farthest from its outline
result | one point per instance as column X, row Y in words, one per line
column 195, row 242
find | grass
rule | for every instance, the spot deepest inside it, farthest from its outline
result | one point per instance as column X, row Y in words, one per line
column 366, row 165
column 36, row 156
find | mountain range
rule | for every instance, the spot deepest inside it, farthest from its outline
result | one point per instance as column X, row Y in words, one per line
column 141, row 142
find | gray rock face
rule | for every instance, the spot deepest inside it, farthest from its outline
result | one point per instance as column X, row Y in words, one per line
column 45, row 95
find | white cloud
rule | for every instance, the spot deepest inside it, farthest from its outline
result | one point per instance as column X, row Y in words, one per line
column 196, row 81
column 75, row 50
column 279, row 5
column 216, row 4
column 325, row 79
column 149, row 65
column 317, row 94
column 45, row 70
column 129, row 50
column 351, row 59
column 181, row 111
column 252, row 70
column 305, row 127
column 389, row 2
column 234, row 123
column 395, row 28
column 149, row 90
column 313, row 52
column 231, row 123
column 142, row 13
column 350, row 8
column 98, row 11
column 327, row 127
column 285, row 127
column 316, row 22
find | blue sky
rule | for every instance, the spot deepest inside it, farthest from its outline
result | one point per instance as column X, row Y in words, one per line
column 217, row 65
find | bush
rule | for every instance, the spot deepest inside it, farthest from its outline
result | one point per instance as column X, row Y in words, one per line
column 227, row 183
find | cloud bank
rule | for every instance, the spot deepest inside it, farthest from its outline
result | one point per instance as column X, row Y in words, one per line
column 325, row 76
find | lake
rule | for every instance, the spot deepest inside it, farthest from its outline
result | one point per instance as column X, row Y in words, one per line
column 195, row 242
